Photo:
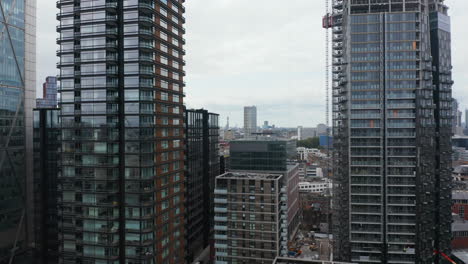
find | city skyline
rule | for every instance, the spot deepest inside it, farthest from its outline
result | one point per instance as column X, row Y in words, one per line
column 254, row 57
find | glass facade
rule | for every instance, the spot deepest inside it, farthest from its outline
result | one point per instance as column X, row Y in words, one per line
column 386, row 131
column 49, row 94
column 263, row 155
column 122, row 182
column 15, row 125
column 202, row 166
column 46, row 156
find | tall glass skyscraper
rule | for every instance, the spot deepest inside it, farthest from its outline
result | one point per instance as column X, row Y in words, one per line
column 392, row 128
column 121, row 183
column 17, row 94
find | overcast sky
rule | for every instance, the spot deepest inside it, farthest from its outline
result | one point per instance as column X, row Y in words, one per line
column 268, row 53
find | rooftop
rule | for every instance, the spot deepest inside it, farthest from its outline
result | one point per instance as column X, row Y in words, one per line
column 280, row 260
column 460, row 195
column 261, row 138
column 249, row 176
column 461, row 254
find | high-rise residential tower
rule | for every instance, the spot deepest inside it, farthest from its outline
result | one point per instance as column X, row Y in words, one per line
column 49, row 94
column 121, row 185
column 392, row 127
column 250, row 120
column 17, row 94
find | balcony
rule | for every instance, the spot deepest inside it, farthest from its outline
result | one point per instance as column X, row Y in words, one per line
column 221, row 237
column 223, row 246
column 220, row 191
column 220, row 201
column 220, row 210
column 220, row 218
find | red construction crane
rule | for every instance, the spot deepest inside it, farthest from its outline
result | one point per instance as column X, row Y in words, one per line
column 445, row 256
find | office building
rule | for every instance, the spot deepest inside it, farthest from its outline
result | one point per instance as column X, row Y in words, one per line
column 250, row 218
column 17, row 94
column 49, row 94
column 270, row 155
column 121, row 185
column 466, row 118
column 311, row 132
column 392, row 119
column 202, row 166
column 457, row 128
column 46, row 156
column 281, row 260
column 250, row 120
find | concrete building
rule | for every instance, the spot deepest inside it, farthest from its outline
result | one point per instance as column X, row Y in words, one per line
column 316, row 186
column 202, row 166
column 281, row 260
column 17, row 100
column 459, row 233
column 460, row 204
column 250, row 120
column 310, row 132
column 250, row 218
column 457, row 128
column 270, row 155
column 392, row 120
column 460, row 173
column 310, row 171
column 49, row 94
column 122, row 84
column 305, row 153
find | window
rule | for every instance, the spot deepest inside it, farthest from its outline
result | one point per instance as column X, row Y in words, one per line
column 164, row 96
column 461, row 211
column 164, row 60
column 176, row 177
column 164, row 193
column 176, row 143
column 165, row 156
column 164, row 144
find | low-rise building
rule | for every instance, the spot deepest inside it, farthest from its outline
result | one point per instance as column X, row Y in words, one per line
column 460, row 204
column 318, row 186
column 459, row 232
column 460, row 173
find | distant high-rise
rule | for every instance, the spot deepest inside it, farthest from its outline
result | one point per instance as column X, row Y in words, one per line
column 250, row 120
column 49, row 94
column 466, row 118
column 202, row 166
column 121, row 195
column 17, row 94
column 392, row 119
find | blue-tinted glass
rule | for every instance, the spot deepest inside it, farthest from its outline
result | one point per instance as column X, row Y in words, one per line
column 13, row 12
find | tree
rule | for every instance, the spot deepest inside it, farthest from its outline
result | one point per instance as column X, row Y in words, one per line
column 309, row 142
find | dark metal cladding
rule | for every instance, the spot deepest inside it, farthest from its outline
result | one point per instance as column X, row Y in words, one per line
column 392, row 128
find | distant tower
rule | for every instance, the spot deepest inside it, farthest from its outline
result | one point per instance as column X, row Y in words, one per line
column 227, row 123
column 466, row 118
column 250, row 120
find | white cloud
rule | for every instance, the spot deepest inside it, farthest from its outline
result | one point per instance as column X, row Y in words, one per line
column 268, row 53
